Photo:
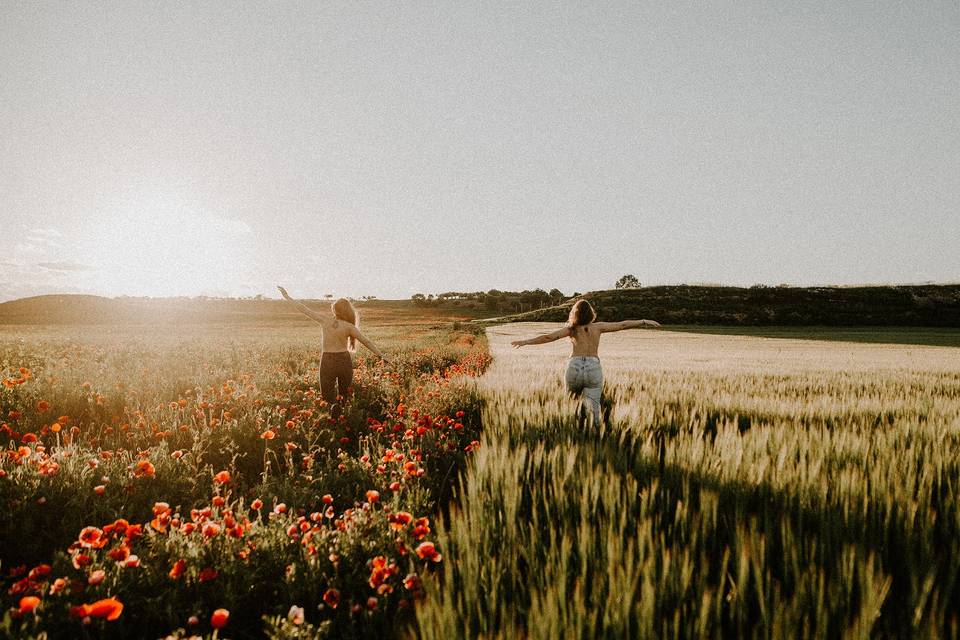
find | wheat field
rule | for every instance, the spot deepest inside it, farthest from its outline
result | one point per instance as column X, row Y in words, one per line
column 740, row 487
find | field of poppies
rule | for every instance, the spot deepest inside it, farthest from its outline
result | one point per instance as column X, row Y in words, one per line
column 158, row 483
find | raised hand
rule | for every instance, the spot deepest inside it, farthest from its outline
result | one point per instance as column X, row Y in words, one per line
column 283, row 292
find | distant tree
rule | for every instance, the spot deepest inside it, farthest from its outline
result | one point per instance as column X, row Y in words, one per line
column 328, row 295
column 628, row 282
column 418, row 299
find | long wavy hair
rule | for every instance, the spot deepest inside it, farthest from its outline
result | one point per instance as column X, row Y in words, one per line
column 343, row 310
column 581, row 314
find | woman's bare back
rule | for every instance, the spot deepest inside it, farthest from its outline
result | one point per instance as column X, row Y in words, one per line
column 585, row 339
column 335, row 334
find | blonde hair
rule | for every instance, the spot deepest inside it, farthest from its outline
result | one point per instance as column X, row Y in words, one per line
column 343, row 310
column 581, row 314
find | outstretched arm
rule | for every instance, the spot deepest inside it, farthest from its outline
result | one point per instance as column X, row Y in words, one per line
column 607, row 327
column 307, row 311
column 356, row 333
column 544, row 339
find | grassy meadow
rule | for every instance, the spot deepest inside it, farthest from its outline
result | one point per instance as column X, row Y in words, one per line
column 742, row 487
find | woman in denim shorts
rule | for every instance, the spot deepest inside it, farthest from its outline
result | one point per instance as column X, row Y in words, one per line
column 584, row 376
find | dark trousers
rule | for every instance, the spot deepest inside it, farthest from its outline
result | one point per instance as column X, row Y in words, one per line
column 336, row 376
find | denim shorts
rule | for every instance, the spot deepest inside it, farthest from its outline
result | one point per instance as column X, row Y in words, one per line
column 584, row 373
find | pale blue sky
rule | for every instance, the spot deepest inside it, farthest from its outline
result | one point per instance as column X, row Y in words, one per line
column 388, row 148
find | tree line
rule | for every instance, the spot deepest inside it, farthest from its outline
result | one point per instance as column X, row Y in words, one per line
column 494, row 300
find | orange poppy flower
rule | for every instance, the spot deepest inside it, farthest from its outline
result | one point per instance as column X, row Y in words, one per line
column 179, row 567
column 28, row 604
column 108, row 608
column 92, row 538
column 223, row 477
column 43, row 406
column 144, row 468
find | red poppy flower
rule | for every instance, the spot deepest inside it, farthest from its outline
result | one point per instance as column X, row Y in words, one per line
column 332, row 598
column 427, row 551
column 219, row 618
column 400, row 519
column 207, row 574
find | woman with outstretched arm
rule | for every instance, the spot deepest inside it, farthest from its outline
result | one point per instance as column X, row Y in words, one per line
column 341, row 333
column 584, row 375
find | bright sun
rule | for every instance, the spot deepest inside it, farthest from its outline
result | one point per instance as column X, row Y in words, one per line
column 167, row 250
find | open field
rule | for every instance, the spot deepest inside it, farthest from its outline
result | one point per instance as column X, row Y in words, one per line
column 80, row 310
column 742, row 487
column 930, row 336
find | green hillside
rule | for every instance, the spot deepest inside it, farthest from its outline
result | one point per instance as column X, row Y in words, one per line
column 916, row 306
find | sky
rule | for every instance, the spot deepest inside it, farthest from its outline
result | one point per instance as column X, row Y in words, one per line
column 204, row 148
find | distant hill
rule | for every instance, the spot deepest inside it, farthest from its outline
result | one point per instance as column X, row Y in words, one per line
column 919, row 306
column 95, row 310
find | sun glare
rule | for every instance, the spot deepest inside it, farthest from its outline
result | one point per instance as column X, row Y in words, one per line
column 168, row 250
